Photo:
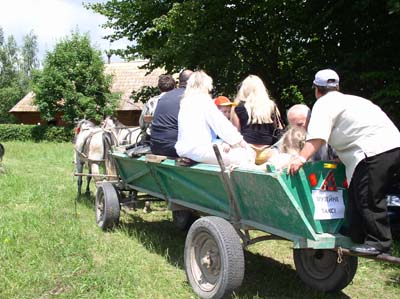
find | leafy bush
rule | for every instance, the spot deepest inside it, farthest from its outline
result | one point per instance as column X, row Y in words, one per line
column 12, row 132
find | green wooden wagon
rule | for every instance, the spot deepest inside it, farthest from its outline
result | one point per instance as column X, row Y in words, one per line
column 307, row 209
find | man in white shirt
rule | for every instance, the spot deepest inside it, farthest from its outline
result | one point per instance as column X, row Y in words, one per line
column 368, row 144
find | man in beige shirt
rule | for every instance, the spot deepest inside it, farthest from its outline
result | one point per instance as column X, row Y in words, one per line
column 368, row 144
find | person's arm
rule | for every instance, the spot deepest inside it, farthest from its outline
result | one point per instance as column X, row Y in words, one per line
column 309, row 149
column 235, row 120
column 221, row 126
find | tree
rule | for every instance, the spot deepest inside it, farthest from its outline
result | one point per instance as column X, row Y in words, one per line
column 73, row 82
column 229, row 39
column 9, row 96
column 284, row 42
column 10, row 89
column 29, row 60
column 8, row 61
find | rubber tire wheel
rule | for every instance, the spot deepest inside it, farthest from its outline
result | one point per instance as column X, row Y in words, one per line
column 213, row 258
column 107, row 206
column 319, row 269
column 183, row 219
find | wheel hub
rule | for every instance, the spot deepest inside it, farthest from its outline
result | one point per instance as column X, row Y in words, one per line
column 100, row 207
column 206, row 261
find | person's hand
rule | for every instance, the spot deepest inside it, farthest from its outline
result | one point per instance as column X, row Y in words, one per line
column 225, row 147
column 295, row 164
column 148, row 118
column 244, row 144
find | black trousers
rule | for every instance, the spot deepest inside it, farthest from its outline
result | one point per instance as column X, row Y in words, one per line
column 367, row 208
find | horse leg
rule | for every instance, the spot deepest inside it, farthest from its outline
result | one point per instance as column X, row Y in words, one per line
column 89, row 178
column 79, row 168
column 95, row 170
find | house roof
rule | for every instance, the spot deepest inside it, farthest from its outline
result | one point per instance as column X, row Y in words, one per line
column 127, row 77
column 26, row 104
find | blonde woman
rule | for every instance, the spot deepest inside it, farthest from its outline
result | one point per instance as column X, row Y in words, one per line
column 255, row 113
column 199, row 120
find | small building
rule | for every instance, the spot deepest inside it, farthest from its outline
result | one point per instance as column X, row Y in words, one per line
column 127, row 77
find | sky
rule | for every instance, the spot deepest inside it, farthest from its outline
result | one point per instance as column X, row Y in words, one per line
column 52, row 20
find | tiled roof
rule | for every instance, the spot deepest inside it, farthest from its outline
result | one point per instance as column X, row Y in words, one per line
column 127, row 77
column 26, row 104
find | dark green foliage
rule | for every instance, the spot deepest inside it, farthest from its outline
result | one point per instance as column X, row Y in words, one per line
column 144, row 94
column 16, row 65
column 13, row 132
column 283, row 42
column 73, row 82
column 9, row 96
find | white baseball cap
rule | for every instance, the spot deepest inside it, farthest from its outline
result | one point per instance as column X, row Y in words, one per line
column 326, row 78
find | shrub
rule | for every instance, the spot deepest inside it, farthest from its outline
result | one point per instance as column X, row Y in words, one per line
column 12, row 132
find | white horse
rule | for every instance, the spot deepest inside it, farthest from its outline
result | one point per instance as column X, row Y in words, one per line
column 123, row 134
column 92, row 146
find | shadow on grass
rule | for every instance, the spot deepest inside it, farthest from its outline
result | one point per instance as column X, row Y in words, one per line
column 87, row 200
column 394, row 280
column 161, row 237
column 264, row 276
column 267, row 278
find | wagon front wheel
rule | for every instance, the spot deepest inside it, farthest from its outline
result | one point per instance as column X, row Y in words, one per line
column 214, row 260
column 107, row 206
column 320, row 269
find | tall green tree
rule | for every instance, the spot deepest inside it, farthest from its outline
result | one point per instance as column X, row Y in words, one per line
column 10, row 89
column 360, row 40
column 28, row 61
column 229, row 39
column 284, row 42
column 8, row 60
column 73, row 82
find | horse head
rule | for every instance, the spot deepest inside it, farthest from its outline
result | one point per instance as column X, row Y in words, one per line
column 111, row 122
column 83, row 125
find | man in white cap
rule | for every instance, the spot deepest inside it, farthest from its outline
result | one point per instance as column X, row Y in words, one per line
column 368, row 144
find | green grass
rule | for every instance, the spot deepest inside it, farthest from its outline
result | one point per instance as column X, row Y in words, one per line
column 50, row 248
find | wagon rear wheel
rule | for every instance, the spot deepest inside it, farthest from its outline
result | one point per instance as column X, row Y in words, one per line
column 214, row 260
column 107, row 206
column 319, row 268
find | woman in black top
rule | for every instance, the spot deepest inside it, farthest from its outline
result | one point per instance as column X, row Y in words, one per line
column 255, row 113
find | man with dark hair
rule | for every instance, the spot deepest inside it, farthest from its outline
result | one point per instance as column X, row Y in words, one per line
column 368, row 144
column 165, row 83
column 164, row 128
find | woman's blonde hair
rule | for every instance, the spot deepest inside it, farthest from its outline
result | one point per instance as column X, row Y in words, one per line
column 293, row 140
column 256, row 100
column 199, row 82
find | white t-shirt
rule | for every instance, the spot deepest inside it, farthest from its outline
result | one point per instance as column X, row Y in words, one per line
column 198, row 120
column 355, row 127
column 148, row 109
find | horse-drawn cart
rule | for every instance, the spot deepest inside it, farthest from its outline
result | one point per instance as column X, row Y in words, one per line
column 307, row 209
